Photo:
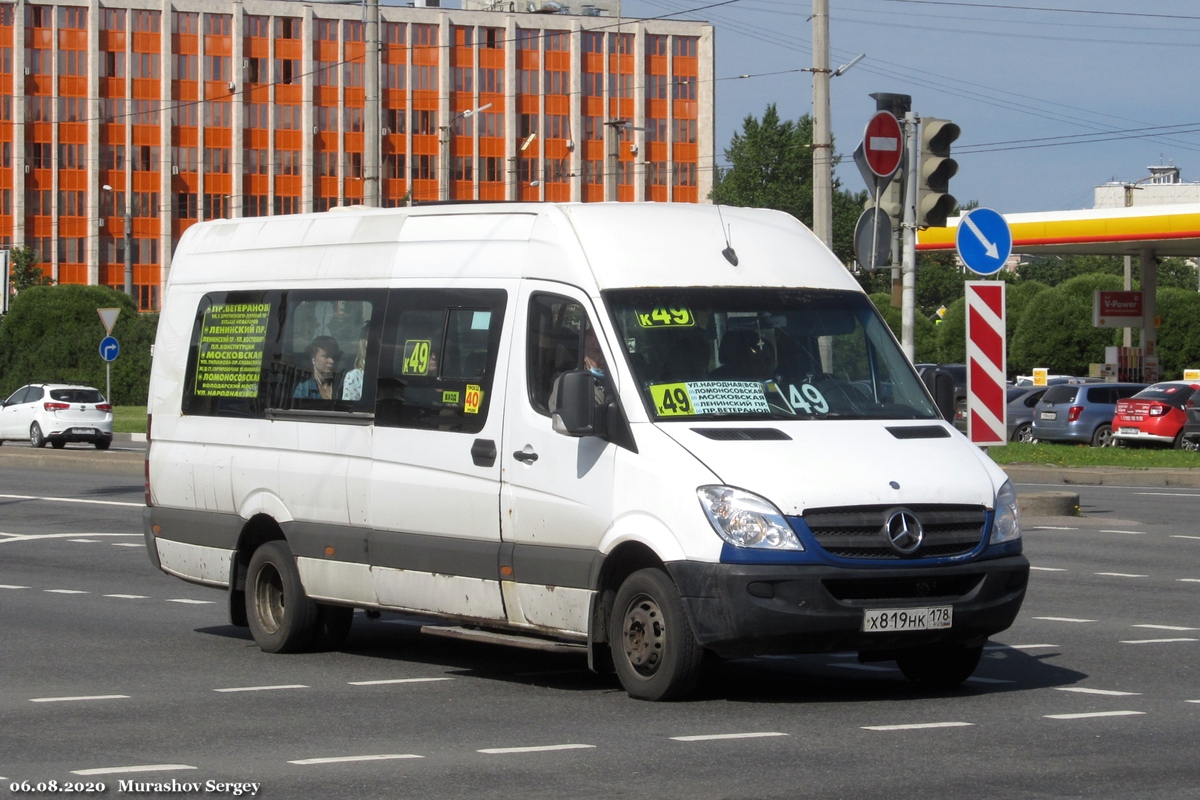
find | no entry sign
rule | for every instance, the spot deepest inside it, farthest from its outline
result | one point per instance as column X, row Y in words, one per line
column 883, row 144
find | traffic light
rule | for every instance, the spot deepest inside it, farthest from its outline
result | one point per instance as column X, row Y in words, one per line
column 934, row 203
column 891, row 199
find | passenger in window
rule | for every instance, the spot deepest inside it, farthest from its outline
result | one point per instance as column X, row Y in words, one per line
column 352, row 384
column 325, row 352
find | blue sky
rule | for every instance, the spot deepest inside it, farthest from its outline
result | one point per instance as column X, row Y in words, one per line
column 1054, row 97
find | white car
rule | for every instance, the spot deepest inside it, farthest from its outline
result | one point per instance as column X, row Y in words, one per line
column 57, row 413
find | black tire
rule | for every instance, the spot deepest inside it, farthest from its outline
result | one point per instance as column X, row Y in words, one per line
column 57, row 444
column 1178, row 443
column 282, row 617
column 939, row 666
column 655, row 653
column 333, row 626
column 35, row 436
column 1103, row 436
column 1023, row 433
column 103, row 444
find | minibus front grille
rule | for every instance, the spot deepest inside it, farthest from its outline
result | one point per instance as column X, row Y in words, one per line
column 861, row 532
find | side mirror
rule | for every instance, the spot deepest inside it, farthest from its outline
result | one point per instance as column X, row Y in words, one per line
column 941, row 385
column 573, row 405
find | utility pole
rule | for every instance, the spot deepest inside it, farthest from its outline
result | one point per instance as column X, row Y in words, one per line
column 129, row 253
column 822, row 147
column 373, row 124
column 908, row 265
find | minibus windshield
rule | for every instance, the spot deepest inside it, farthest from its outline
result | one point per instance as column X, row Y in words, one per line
column 763, row 353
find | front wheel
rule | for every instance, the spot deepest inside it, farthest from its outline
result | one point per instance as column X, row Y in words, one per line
column 939, row 666
column 1102, row 437
column 282, row 617
column 654, row 650
column 36, row 439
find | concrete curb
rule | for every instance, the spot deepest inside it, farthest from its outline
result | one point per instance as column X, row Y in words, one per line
column 1049, row 504
column 1102, row 476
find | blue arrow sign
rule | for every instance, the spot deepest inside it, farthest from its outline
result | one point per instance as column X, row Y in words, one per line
column 109, row 349
column 984, row 241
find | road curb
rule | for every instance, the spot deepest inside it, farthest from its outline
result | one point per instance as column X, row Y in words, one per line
column 1102, row 476
column 1049, row 504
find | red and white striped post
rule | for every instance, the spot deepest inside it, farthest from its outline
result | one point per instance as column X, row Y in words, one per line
column 987, row 356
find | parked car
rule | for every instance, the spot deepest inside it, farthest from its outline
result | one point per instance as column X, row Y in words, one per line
column 1021, row 400
column 57, row 413
column 1154, row 415
column 1191, row 428
column 1080, row 412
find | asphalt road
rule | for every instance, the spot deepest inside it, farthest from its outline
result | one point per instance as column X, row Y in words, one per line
column 111, row 671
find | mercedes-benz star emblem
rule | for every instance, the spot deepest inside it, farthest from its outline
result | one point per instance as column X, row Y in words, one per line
column 904, row 531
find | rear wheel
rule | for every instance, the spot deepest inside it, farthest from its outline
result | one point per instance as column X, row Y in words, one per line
column 282, row 617
column 939, row 666
column 1103, row 436
column 1179, row 444
column 655, row 653
column 57, row 444
column 1023, row 433
column 35, row 436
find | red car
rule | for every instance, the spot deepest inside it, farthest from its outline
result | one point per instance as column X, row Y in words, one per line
column 1154, row 415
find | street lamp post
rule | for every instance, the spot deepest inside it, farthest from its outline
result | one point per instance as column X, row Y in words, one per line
column 128, row 237
column 447, row 134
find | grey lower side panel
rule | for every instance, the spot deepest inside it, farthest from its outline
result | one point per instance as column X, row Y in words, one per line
column 574, row 568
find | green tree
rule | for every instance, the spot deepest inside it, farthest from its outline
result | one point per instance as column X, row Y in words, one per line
column 1179, row 336
column 1055, row 329
column 1177, row 273
column 53, row 333
column 952, row 333
column 924, row 334
column 1055, row 270
column 24, row 270
column 771, row 167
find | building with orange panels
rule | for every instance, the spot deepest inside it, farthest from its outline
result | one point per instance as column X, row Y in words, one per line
column 124, row 123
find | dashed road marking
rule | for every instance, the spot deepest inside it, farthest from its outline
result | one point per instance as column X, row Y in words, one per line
column 192, row 602
column 263, row 688
column 65, row 591
column 36, row 537
column 540, row 749
column 347, row 759
column 1131, row 533
column 84, row 541
column 1052, row 528
column 1120, row 575
column 717, row 736
column 397, row 680
column 1157, row 641
column 129, row 596
column 1105, row 692
column 1092, row 714
column 127, row 544
column 1188, row 580
column 1048, row 569
column 11, row 586
column 1064, row 619
column 1167, row 627
column 72, row 500
column 77, row 699
column 1180, row 536
column 917, row 726
column 127, row 770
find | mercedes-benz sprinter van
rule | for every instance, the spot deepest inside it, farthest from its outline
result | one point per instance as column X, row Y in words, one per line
column 650, row 431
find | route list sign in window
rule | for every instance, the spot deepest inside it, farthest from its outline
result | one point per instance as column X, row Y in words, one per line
column 232, row 338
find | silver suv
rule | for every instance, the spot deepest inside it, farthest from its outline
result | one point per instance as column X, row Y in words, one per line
column 57, row 413
column 1080, row 412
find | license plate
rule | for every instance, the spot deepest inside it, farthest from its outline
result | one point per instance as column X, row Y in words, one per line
column 83, row 431
column 886, row 620
column 1129, row 430
column 1048, row 415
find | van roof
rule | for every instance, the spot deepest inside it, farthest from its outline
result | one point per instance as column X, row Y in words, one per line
column 604, row 245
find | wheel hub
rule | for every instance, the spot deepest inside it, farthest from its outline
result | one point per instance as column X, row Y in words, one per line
column 645, row 635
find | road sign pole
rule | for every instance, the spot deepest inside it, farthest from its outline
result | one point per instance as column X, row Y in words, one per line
column 108, row 381
column 908, row 265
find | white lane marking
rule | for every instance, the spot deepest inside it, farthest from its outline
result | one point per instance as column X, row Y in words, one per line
column 865, row 667
column 1064, row 619
column 1167, row 627
column 1166, row 494
column 1157, row 641
column 73, row 699
column 1017, row 646
column 716, row 736
column 1176, row 536
column 541, row 749
column 11, row 586
column 1131, row 533
column 127, row 770
column 263, row 688
column 918, row 726
column 1191, row 701
column 129, row 596
column 32, row 537
column 1188, row 580
column 347, row 759
column 127, row 544
column 1051, row 528
column 1091, row 714
column 84, row 541
column 1048, row 569
column 1120, row 575
column 397, row 680
column 65, row 591
column 1105, row 692
column 192, row 602
column 71, row 500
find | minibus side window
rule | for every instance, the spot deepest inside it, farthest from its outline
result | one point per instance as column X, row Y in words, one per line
column 558, row 329
column 438, row 359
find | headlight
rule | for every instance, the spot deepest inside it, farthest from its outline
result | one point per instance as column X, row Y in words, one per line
column 746, row 520
column 1007, row 525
